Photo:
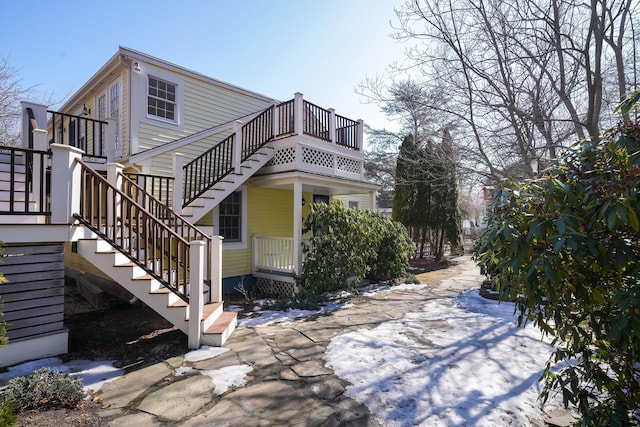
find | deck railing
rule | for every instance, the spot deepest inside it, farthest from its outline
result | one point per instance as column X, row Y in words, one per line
column 280, row 120
column 28, row 191
column 177, row 223
column 286, row 118
column 273, row 254
column 203, row 172
column 316, row 121
column 347, row 133
column 134, row 231
column 161, row 187
column 80, row 132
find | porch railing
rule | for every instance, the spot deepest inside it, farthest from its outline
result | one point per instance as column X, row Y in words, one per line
column 177, row 223
column 281, row 120
column 203, row 172
column 161, row 187
column 273, row 254
column 134, row 231
column 28, row 189
column 80, row 132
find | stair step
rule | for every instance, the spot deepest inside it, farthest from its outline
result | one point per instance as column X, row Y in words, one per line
column 218, row 333
column 222, row 323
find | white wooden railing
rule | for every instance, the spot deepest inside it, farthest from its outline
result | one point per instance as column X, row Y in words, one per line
column 273, row 254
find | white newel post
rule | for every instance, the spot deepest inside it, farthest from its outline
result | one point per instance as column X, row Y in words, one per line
column 298, row 116
column 114, row 176
column 178, row 183
column 275, row 117
column 65, row 183
column 110, row 140
column 237, row 147
column 39, row 144
column 196, row 288
column 332, row 125
column 360, row 135
column 216, row 268
column 297, row 226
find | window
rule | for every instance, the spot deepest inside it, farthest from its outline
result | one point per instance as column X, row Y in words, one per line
column 354, row 204
column 161, row 101
column 230, row 217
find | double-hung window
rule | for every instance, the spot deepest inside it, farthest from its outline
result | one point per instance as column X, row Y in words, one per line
column 230, row 217
column 161, row 100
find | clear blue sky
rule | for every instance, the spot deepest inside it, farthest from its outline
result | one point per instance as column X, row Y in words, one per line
column 322, row 48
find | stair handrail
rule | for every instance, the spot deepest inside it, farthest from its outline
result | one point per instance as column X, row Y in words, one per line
column 170, row 218
column 117, row 218
column 206, row 170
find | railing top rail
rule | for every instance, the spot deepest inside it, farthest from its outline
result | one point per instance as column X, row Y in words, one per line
column 148, row 175
column 315, row 106
column 77, row 117
column 209, row 151
column 141, row 208
column 22, row 149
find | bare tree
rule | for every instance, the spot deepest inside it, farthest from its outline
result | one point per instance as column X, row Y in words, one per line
column 514, row 80
column 11, row 93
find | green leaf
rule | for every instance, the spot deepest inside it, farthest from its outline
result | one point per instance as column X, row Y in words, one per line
column 633, row 220
column 611, row 219
column 561, row 225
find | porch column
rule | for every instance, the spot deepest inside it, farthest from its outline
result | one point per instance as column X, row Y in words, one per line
column 178, row 183
column 297, row 226
column 196, row 284
column 65, row 183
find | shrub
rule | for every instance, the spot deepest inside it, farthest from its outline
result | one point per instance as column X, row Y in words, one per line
column 8, row 415
column 347, row 245
column 45, row 388
column 569, row 244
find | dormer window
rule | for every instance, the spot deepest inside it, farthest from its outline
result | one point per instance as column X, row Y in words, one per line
column 161, row 100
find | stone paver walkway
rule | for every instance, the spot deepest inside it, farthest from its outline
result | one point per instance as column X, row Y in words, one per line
column 289, row 383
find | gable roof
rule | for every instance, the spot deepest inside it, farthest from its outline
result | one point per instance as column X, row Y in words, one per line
column 125, row 57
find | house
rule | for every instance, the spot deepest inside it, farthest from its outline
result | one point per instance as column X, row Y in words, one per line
column 174, row 185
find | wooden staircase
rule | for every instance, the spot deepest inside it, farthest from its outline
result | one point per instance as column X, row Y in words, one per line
column 216, row 325
column 227, row 185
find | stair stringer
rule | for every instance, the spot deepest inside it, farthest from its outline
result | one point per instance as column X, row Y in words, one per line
column 219, row 191
column 216, row 325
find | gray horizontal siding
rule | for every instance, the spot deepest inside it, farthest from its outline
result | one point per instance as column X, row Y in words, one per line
column 33, row 297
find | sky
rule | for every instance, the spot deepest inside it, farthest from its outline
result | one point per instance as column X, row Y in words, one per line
column 323, row 49
column 457, row 361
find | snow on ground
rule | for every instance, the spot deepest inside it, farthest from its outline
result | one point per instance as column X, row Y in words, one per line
column 92, row 373
column 459, row 361
column 263, row 318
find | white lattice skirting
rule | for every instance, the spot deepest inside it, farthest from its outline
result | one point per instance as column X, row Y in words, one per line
column 275, row 287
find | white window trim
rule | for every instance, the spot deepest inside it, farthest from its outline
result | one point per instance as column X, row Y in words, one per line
column 178, row 122
column 242, row 244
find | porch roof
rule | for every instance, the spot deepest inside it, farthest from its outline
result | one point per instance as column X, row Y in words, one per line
column 314, row 182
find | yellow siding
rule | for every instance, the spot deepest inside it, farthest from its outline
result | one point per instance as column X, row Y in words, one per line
column 205, row 106
column 73, row 260
column 269, row 213
column 364, row 200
